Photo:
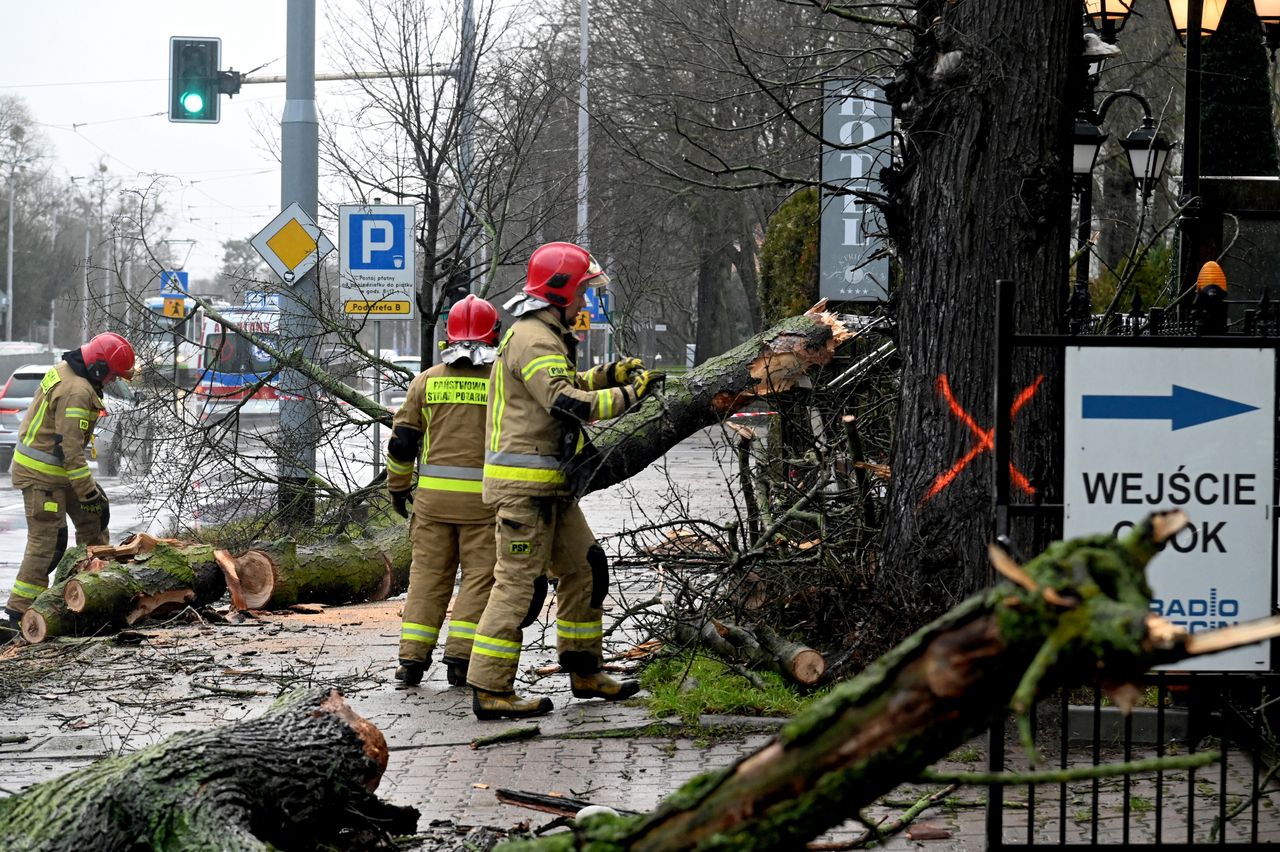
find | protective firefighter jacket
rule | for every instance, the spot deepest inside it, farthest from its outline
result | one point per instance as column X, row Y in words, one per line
column 55, row 431
column 537, row 406
column 446, row 403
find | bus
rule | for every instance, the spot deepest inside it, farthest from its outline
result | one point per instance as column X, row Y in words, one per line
column 232, row 374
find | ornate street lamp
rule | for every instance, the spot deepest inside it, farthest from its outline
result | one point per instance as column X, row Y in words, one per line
column 1108, row 16
column 1148, row 151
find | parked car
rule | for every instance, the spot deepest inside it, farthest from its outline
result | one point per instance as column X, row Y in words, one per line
column 15, row 399
column 123, row 436
column 394, row 383
column 118, row 435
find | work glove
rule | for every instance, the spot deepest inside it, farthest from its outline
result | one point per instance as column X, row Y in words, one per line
column 96, row 504
column 621, row 372
column 399, row 499
column 646, row 381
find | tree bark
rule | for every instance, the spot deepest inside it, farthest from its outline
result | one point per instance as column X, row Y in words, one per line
column 1077, row 612
column 982, row 194
column 221, row 790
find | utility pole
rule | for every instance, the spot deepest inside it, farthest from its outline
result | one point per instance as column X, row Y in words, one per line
column 299, row 179
column 15, row 135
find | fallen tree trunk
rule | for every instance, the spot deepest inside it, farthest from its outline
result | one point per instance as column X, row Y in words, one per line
column 1076, row 613
column 107, row 588
column 772, row 362
column 221, row 789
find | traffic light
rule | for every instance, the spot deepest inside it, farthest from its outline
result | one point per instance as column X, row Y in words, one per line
column 194, row 79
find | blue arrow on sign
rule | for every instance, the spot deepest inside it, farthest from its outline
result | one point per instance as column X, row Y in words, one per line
column 1183, row 408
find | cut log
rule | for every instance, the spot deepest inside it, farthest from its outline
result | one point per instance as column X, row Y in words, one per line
column 101, row 594
column 345, row 571
column 755, row 646
column 222, row 789
column 1085, row 617
column 800, row 663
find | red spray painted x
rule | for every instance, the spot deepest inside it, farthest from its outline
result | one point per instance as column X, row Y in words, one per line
column 986, row 438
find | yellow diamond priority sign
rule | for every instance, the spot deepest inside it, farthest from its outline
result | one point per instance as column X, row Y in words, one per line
column 292, row 244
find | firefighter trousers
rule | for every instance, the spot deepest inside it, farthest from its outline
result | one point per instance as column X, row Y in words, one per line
column 537, row 536
column 439, row 549
column 47, row 508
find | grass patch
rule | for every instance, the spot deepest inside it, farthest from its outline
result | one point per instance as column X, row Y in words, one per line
column 687, row 686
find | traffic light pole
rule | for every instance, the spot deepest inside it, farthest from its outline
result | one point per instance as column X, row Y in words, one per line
column 299, row 179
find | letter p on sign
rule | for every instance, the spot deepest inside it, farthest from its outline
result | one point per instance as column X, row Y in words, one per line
column 377, row 236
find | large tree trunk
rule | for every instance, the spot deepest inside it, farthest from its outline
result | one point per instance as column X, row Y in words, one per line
column 983, row 194
column 221, row 789
column 108, row 588
column 1077, row 612
column 770, row 363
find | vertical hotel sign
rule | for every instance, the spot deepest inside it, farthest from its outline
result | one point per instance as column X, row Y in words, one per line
column 855, row 113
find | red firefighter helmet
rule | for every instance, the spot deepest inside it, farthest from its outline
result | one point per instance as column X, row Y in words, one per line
column 473, row 319
column 108, row 356
column 557, row 270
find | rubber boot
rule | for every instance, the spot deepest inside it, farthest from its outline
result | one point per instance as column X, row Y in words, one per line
column 600, row 685
column 499, row 705
column 411, row 671
column 456, row 671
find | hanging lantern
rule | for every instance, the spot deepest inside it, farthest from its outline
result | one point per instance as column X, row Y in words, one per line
column 1148, row 151
column 1108, row 16
column 1210, row 16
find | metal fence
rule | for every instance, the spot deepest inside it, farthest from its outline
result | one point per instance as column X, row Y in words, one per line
column 1233, row 802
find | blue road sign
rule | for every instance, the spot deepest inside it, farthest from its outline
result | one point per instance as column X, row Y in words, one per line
column 597, row 305
column 261, row 300
column 377, row 240
column 173, row 283
column 1183, row 407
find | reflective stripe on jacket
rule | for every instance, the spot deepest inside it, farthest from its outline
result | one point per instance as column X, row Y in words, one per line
column 55, row 431
column 537, row 405
column 446, row 403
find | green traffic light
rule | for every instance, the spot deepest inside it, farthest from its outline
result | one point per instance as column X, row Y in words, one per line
column 192, row 102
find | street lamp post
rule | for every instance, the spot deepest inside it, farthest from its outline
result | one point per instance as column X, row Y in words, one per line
column 1147, row 152
column 15, row 135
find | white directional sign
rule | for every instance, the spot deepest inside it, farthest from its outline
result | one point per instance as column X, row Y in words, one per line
column 292, row 244
column 377, row 273
column 1190, row 429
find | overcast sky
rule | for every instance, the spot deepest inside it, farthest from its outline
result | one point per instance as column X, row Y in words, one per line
column 95, row 77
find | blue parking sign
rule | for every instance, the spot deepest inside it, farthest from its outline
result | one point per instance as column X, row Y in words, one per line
column 377, row 240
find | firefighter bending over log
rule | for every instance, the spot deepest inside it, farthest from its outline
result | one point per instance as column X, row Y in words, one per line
column 535, row 458
column 51, row 469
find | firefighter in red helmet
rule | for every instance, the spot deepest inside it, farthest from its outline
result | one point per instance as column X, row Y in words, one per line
column 51, row 469
column 436, row 444
column 537, row 463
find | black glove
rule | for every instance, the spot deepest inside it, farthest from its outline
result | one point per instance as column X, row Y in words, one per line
column 645, row 381
column 96, row 504
column 399, row 499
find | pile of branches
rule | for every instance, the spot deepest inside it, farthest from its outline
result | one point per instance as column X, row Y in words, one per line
column 795, row 558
